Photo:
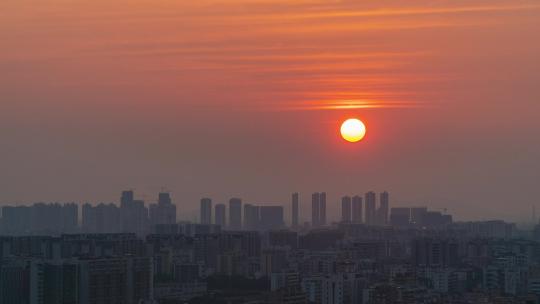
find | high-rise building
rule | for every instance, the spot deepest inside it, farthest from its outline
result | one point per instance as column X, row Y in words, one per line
column 251, row 217
column 69, row 218
column 164, row 212
column 284, row 282
column 436, row 219
column 247, row 242
column 312, row 286
column 400, row 217
column 370, row 208
column 270, row 218
column 40, row 218
column 102, row 218
column 220, row 215
column 235, row 214
column 357, row 209
column 382, row 212
column 206, row 211
column 536, row 232
column 294, row 210
column 273, row 260
column 85, row 280
column 318, row 209
column 133, row 214
column 14, row 281
column 418, row 216
column 282, row 238
column 16, row 220
column 127, row 197
column 89, row 219
column 346, row 209
column 58, row 281
column 435, row 252
column 132, row 278
column 315, row 209
column 110, row 214
column 322, row 206
column 164, row 198
column 341, row 288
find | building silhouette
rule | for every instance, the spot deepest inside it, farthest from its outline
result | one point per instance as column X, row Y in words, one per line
column 346, row 209
column 371, row 208
column 164, row 212
column 322, row 206
column 127, row 197
column 220, row 211
column 400, row 217
column 318, row 209
column 102, row 218
column 132, row 277
column 282, row 238
column 471, row 262
column 206, row 211
column 270, row 218
column 357, row 209
column 382, row 211
column 315, row 209
column 440, row 252
column 235, row 214
column 251, row 217
column 418, row 216
column 294, row 210
column 133, row 214
column 40, row 218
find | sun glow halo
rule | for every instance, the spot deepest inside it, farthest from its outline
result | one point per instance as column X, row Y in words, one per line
column 353, row 130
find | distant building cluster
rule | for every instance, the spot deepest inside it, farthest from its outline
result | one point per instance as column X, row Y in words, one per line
column 40, row 218
column 352, row 211
column 131, row 215
column 135, row 216
column 246, row 253
column 253, row 217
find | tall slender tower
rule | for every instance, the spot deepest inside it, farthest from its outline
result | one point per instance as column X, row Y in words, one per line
column 251, row 217
column 206, row 211
column 370, row 208
column 294, row 210
column 220, row 215
column 322, row 206
column 383, row 208
column 346, row 209
column 357, row 209
column 235, row 214
column 127, row 198
column 315, row 209
column 164, row 212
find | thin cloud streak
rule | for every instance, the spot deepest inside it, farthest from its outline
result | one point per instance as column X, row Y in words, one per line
column 365, row 106
column 401, row 12
column 264, row 52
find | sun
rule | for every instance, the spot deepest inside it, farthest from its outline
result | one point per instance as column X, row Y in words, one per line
column 353, row 130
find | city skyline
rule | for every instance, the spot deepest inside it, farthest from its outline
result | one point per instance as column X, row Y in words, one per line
column 269, row 151
column 246, row 98
column 305, row 205
column 134, row 216
column 245, row 215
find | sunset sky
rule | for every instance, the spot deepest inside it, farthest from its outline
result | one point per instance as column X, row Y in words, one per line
column 245, row 98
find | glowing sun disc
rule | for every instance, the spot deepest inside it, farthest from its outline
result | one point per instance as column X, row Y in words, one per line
column 353, row 130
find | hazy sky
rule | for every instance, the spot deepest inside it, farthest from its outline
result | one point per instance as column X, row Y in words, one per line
column 245, row 98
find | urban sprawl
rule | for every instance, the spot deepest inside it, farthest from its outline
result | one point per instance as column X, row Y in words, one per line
column 248, row 253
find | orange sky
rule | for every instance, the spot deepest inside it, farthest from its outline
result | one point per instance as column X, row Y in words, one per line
column 244, row 98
